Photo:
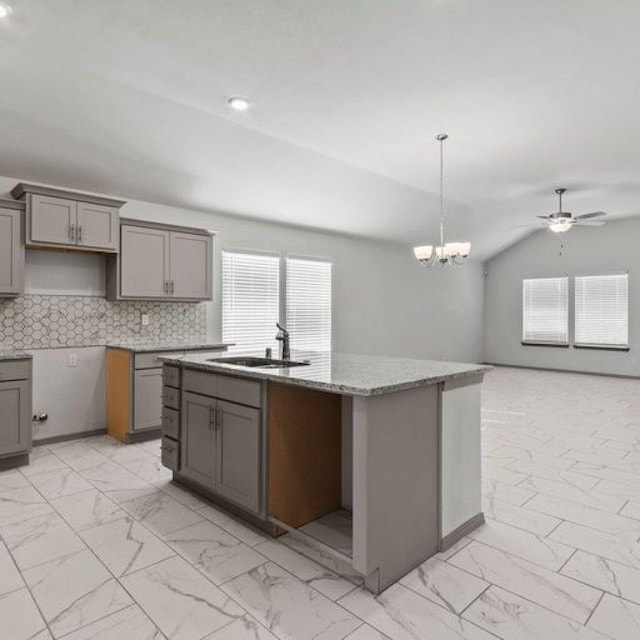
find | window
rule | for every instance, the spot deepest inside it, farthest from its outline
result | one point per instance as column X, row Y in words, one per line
column 602, row 311
column 545, row 310
column 250, row 300
column 309, row 304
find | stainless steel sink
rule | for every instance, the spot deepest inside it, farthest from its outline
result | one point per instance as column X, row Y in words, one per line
column 259, row 363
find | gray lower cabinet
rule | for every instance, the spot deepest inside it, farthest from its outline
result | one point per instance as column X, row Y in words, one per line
column 11, row 250
column 65, row 219
column 238, row 454
column 15, row 412
column 198, row 441
column 147, row 399
column 221, row 448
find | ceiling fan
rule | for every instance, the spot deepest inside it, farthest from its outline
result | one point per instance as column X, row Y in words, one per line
column 562, row 221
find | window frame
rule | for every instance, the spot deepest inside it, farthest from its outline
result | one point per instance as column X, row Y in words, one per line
column 546, row 343
column 598, row 346
column 282, row 288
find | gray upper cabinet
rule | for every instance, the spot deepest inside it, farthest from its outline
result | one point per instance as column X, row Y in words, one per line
column 238, row 454
column 191, row 270
column 11, row 249
column 58, row 219
column 198, row 440
column 97, row 226
column 161, row 262
column 144, row 262
column 52, row 220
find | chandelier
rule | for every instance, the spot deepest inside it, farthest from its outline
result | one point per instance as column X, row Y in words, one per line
column 446, row 252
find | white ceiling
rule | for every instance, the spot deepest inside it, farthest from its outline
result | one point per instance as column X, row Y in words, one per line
column 129, row 98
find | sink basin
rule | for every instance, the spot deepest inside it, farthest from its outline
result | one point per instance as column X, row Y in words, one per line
column 259, row 363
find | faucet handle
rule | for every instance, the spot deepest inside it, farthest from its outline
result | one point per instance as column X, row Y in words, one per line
column 284, row 331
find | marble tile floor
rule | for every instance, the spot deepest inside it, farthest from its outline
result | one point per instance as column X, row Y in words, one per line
column 96, row 543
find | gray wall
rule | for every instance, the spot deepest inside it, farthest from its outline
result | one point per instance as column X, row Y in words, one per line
column 384, row 302
column 587, row 251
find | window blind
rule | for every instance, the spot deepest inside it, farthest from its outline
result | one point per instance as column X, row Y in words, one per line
column 309, row 304
column 602, row 310
column 250, row 301
column 545, row 310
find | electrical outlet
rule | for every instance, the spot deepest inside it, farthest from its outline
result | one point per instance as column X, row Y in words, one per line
column 144, row 319
column 73, row 359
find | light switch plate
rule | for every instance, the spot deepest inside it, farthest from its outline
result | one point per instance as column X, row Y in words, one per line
column 73, row 359
column 144, row 319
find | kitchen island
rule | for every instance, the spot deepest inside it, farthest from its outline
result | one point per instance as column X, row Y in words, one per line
column 374, row 460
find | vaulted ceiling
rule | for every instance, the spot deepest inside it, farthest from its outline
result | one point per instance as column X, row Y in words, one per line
column 129, row 98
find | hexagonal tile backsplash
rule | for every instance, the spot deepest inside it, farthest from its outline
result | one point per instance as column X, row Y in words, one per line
column 49, row 322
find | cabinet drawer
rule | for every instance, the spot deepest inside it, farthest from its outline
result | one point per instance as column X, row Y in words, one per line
column 239, row 390
column 170, row 422
column 14, row 370
column 150, row 360
column 171, row 397
column 170, row 451
column 224, row 387
column 171, row 376
column 205, row 384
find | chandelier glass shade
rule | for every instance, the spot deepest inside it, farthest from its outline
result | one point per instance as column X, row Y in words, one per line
column 446, row 253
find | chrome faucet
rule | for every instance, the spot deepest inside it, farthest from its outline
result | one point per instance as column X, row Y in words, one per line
column 283, row 338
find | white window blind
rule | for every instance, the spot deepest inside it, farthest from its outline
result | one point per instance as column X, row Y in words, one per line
column 545, row 310
column 250, row 301
column 602, row 310
column 309, row 304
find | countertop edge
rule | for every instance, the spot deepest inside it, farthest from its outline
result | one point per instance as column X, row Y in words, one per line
column 154, row 348
column 15, row 355
column 253, row 374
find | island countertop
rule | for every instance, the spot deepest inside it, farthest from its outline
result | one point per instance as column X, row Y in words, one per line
column 344, row 373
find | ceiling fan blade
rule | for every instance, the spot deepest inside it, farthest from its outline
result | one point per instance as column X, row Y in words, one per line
column 595, row 214
column 540, row 225
column 590, row 223
column 544, row 217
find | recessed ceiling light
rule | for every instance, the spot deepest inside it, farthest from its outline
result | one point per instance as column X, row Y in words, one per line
column 4, row 11
column 239, row 104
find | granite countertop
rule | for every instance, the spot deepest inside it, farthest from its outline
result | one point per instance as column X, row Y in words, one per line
column 14, row 355
column 344, row 373
column 142, row 347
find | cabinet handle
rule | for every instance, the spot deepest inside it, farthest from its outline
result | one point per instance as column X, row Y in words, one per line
column 72, row 232
column 219, row 417
column 212, row 417
column 79, row 233
column 173, row 287
column 166, row 286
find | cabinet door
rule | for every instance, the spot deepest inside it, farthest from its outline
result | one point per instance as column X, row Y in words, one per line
column 238, row 454
column 97, row 226
column 147, row 399
column 144, row 262
column 198, row 442
column 52, row 220
column 191, row 270
column 15, row 425
column 11, row 252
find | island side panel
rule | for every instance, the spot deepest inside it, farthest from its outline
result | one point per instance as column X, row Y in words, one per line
column 395, row 483
column 461, row 501
column 304, row 453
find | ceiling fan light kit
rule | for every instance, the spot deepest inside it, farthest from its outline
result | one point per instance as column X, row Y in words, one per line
column 446, row 253
column 562, row 221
